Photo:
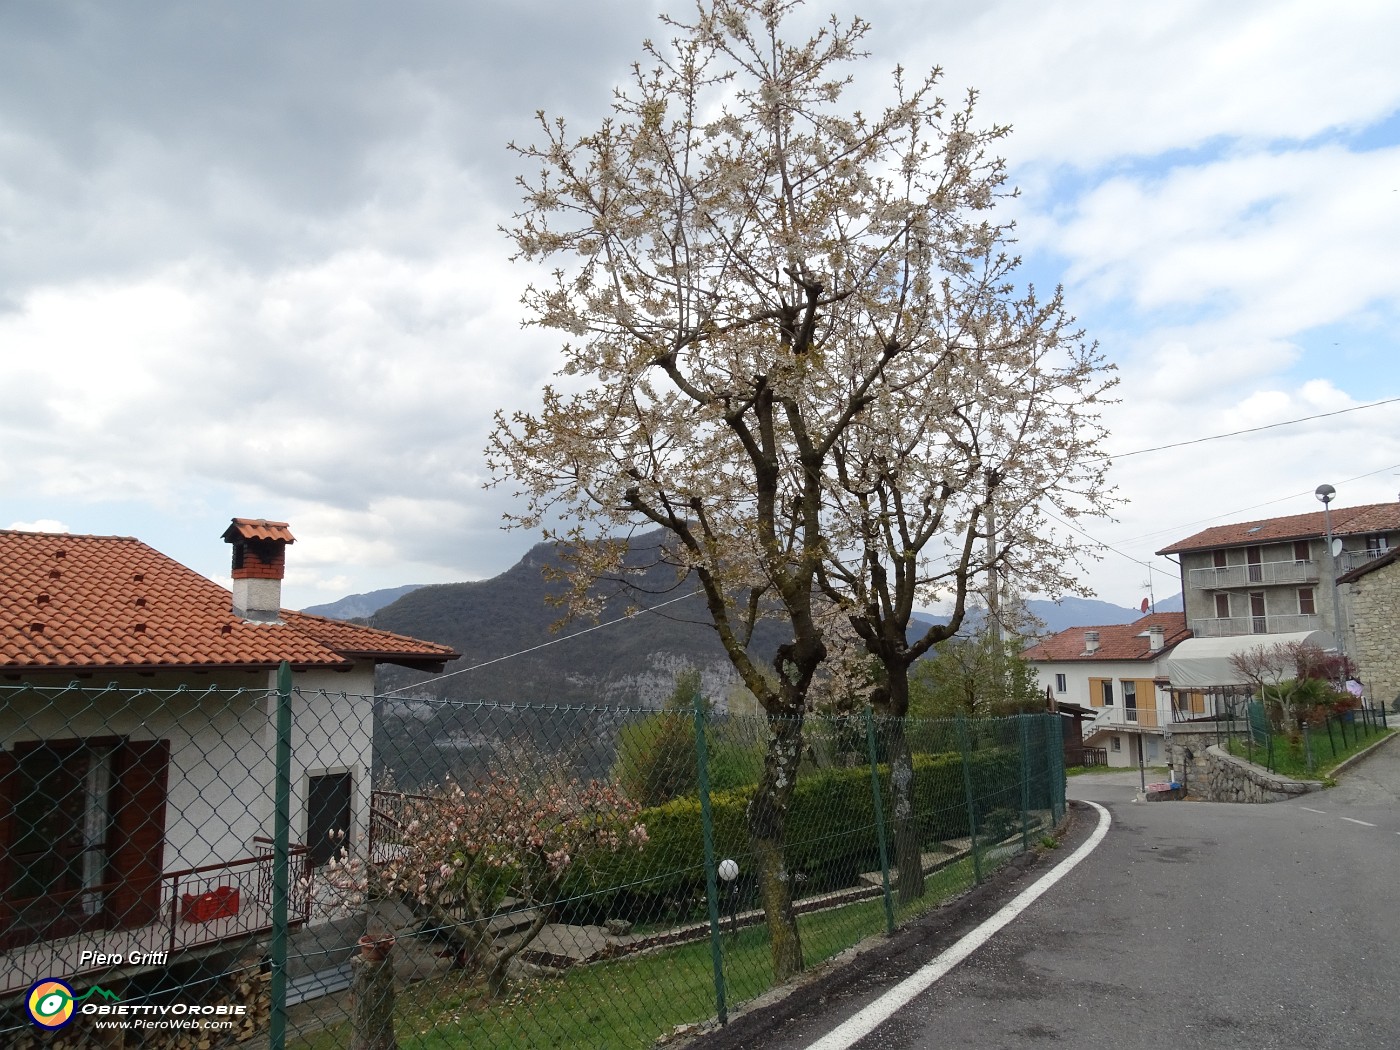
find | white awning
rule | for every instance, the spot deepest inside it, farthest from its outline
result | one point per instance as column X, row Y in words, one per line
column 1201, row 663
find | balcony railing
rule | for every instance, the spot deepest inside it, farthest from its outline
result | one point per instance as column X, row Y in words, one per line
column 1351, row 559
column 199, row 907
column 1234, row 626
column 1118, row 717
column 1262, row 574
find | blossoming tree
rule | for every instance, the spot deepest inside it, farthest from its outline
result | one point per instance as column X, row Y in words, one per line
column 455, row 853
column 795, row 348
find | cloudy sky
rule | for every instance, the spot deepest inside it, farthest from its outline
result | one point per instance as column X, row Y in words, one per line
column 249, row 259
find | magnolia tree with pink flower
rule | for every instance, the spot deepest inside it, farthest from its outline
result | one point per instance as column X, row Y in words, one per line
column 455, row 853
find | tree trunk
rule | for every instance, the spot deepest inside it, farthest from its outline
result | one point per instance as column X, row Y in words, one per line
column 372, row 1004
column 767, row 833
column 907, row 846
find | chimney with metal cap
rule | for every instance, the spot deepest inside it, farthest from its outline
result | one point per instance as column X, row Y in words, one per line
column 1156, row 638
column 1091, row 641
column 259, row 563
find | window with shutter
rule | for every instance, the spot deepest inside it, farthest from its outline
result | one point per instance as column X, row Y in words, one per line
column 82, row 835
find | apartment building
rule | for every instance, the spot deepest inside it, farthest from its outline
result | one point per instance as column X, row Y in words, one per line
column 1276, row 576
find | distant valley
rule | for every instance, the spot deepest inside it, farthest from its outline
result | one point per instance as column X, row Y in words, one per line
column 428, row 727
column 631, row 663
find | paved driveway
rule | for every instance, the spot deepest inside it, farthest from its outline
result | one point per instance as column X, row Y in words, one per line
column 1193, row 925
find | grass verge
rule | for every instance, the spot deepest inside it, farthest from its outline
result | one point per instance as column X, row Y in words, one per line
column 627, row 1003
column 1290, row 757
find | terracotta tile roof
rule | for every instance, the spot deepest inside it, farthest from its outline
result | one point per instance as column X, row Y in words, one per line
column 259, row 529
column 1117, row 641
column 87, row 603
column 1346, row 521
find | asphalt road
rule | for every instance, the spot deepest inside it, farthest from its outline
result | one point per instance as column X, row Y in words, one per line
column 1191, row 925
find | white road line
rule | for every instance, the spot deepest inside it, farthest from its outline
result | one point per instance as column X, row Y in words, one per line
column 1323, row 812
column 866, row 1021
column 1363, row 823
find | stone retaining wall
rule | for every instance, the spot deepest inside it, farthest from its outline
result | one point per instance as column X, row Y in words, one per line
column 1186, row 747
column 1231, row 779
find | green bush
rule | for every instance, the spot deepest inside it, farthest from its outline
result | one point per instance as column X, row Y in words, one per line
column 656, row 759
column 831, row 834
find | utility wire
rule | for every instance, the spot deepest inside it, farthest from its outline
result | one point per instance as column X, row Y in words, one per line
column 544, row 645
column 1201, row 521
column 1072, row 528
column 1251, row 430
column 1257, row 506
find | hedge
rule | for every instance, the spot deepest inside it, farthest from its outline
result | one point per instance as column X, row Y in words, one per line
column 831, row 834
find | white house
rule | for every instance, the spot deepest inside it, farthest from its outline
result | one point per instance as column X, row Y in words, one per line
column 137, row 743
column 1119, row 671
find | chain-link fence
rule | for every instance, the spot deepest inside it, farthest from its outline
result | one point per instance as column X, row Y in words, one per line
column 216, row 866
column 1253, row 729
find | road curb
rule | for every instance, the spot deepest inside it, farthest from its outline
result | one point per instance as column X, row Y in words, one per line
column 1344, row 766
column 865, row 1021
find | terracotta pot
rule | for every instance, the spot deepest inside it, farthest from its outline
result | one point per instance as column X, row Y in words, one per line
column 376, row 949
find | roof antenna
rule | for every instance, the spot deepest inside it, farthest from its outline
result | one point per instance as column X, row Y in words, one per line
column 1151, row 596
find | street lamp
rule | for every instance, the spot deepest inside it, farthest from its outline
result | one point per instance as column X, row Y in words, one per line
column 1325, row 494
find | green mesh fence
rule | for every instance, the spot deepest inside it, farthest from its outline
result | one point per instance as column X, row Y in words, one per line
column 220, row 866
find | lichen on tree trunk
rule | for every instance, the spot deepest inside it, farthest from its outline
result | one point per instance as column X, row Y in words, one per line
column 767, row 815
column 907, row 847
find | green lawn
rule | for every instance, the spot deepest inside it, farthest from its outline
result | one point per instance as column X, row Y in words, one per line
column 629, row 1002
column 1290, row 758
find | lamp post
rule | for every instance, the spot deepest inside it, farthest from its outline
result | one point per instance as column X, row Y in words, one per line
column 729, row 872
column 1325, row 494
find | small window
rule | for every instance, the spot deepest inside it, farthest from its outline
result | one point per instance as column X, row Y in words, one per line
column 1301, row 553
column 1306, row 605
column 1116, row 743
column 1060, row 683
column 1222, row 606
column 1217, row 558
column 1106, row 691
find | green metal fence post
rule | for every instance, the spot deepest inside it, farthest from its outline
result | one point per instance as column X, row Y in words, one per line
column 707, row 823
column 964, row 744
column 1060, row 805
column 1025, row 783
column 879, row 819
column 281, row 859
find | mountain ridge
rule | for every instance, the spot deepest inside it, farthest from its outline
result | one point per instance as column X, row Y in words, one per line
column 505, row 628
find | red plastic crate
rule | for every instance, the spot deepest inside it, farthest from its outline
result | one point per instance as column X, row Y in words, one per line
column 218, row 903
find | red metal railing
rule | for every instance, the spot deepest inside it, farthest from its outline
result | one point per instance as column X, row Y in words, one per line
column 197, row 906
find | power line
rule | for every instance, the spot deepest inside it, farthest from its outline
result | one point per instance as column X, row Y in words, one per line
column 1097, row 542
column 1250, row 430
column 544, row 645
column 1201, row 521
column 1257, row 506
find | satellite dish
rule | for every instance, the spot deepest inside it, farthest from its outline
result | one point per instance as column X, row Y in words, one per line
column 1336, row 547
column 1144, row 605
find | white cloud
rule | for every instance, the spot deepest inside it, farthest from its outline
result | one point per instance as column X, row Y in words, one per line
column 1085, row 83
column 258, row 272
column 43, row 525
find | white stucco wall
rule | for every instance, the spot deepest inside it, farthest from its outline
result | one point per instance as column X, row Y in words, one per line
column 222, row 734
column 1077, row 676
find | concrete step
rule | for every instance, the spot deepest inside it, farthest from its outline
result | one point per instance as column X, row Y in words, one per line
column 318, row 983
